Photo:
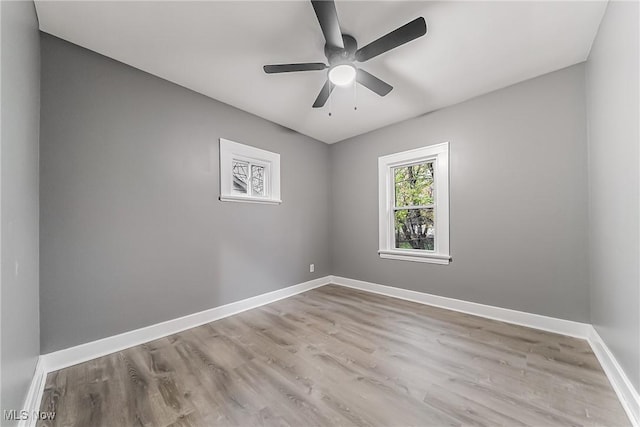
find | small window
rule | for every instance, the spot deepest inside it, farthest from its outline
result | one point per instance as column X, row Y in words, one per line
column 248, row 174
column 414, row 205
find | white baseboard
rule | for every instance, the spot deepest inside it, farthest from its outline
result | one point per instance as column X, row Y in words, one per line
column 628, row 395
column 71, row 356
column 551, row 324
column 34, row 394
column 91, row 350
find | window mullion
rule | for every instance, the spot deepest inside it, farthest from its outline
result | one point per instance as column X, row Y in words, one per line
column 405, row 208
column 250, row 180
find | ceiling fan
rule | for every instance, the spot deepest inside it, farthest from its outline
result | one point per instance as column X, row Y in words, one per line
column 342, row 52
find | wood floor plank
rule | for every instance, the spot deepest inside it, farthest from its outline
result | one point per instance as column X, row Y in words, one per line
column 337, row 356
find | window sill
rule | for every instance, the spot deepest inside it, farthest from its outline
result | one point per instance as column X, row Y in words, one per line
column 406, row 255
column 243, row 199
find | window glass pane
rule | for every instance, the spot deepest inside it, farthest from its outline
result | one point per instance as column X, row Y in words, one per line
column 257, row 180
column 414, row 184
column 414, row 229
column 240, row 176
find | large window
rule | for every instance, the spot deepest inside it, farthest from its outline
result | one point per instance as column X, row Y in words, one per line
column 414, row 205
column 248, row 174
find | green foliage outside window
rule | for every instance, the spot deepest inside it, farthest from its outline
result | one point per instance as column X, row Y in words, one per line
column 414, row 228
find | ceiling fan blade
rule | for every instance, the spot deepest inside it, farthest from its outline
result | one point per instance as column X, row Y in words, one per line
column 288, row 68
column 373, row 83
column 328, row 19
column 406, row 33
column 324, row 94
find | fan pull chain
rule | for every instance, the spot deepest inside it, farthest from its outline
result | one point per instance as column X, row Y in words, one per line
column 330, row 103
column 355, row 95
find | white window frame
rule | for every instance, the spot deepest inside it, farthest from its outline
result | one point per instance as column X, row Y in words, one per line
column 439, row 154
column 230, row 151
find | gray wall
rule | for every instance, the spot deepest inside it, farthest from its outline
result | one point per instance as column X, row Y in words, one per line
column 518, row 199
column 612, row 93
column 19, row 200
column 132, row 231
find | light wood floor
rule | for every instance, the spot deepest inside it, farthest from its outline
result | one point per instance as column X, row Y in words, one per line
column 336, row 356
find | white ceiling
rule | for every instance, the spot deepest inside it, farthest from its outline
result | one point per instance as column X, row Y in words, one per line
column 218, row 49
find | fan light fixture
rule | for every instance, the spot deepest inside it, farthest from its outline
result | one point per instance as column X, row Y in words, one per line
column 342, row 74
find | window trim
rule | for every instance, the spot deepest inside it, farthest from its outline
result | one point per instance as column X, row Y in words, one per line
column 229, row 151
column 439, row 154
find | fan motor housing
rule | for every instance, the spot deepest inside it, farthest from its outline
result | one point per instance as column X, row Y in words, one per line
column 336, row 55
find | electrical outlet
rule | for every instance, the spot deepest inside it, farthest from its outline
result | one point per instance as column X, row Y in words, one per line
column 312, row 268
